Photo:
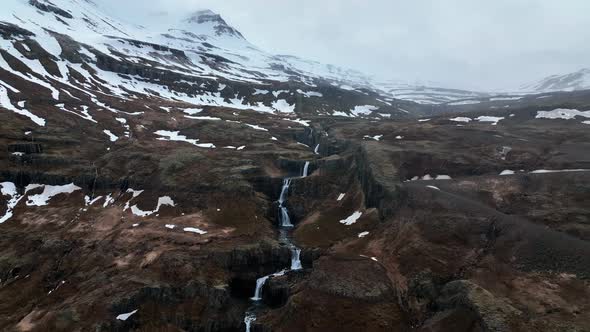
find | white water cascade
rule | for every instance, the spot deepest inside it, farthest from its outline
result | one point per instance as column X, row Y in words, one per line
column 286, row 225
column 260, row 283
column 295, row 259
column 250, row 317
column 305, row 169
column 317, row 149
column 284, row 219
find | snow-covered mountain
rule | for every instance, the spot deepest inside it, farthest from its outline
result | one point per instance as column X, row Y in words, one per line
column 578, row 80
column 73, row 49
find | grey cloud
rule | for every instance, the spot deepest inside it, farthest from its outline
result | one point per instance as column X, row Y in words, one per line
column 460, row 43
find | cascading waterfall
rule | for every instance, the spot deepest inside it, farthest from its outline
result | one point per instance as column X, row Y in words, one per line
column 250, row 317
column 295, row 259
column 305, row 169
column 284, row 190
column 285, row 224
column 260, row 283
column 317, row 149
column 284, row 219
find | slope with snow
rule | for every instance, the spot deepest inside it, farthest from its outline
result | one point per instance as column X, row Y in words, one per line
column 578, row 80
column 71, row 49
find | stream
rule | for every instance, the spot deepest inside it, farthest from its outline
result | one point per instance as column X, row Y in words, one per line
column 285, row 231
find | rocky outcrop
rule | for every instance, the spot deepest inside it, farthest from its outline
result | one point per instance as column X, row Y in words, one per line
column 49, row 8
column 213, row 302
column 27, row 148
column 359, row 278
column 8, row 30
column 379, row 180
column 493, row 314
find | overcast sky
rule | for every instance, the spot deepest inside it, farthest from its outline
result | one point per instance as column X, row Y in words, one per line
column 473, row 44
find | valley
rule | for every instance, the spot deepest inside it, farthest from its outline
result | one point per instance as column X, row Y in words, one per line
column 189, row 181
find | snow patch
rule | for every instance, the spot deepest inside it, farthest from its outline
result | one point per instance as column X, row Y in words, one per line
column 305, row 123
column 363, row 110
column 43, row 198
column 9, row 189
column 205, row 118
column 194, row 230
column 111, row 136
column 282, row 106
column 461, row 119
column 126, row 316
column 375, row 138
column 192, row 111
column 309, row 94
column 493, row 119
column 562, row 113
column 353, row 218
column 175, row 136
column 6, row 103
column 256, row 127
column 165, row 200
column 544, row 171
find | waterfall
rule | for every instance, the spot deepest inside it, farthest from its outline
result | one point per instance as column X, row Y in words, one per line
column 295, row 259
column 250, row 317
column 258, row 292
column 260, row 283
column 284, row 191
column 284, row 219
column 317, row 149
column 285, row 225
column 305, row 169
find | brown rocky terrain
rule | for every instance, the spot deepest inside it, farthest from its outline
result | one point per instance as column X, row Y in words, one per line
column 479, row 251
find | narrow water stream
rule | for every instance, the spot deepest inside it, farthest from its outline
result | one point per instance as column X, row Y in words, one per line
column 285, row 230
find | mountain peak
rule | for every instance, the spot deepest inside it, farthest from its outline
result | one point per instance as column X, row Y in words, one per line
column 208, row 19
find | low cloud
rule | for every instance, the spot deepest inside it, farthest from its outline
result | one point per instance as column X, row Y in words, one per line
column 458, row 43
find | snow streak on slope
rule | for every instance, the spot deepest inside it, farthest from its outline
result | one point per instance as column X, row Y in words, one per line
column 579, row 80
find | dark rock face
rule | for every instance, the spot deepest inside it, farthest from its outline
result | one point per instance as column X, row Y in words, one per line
column 353, row 279
column 27, row 148
column 50, row 8
column 215, row 301
column 8, row 30
column 494, row 314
